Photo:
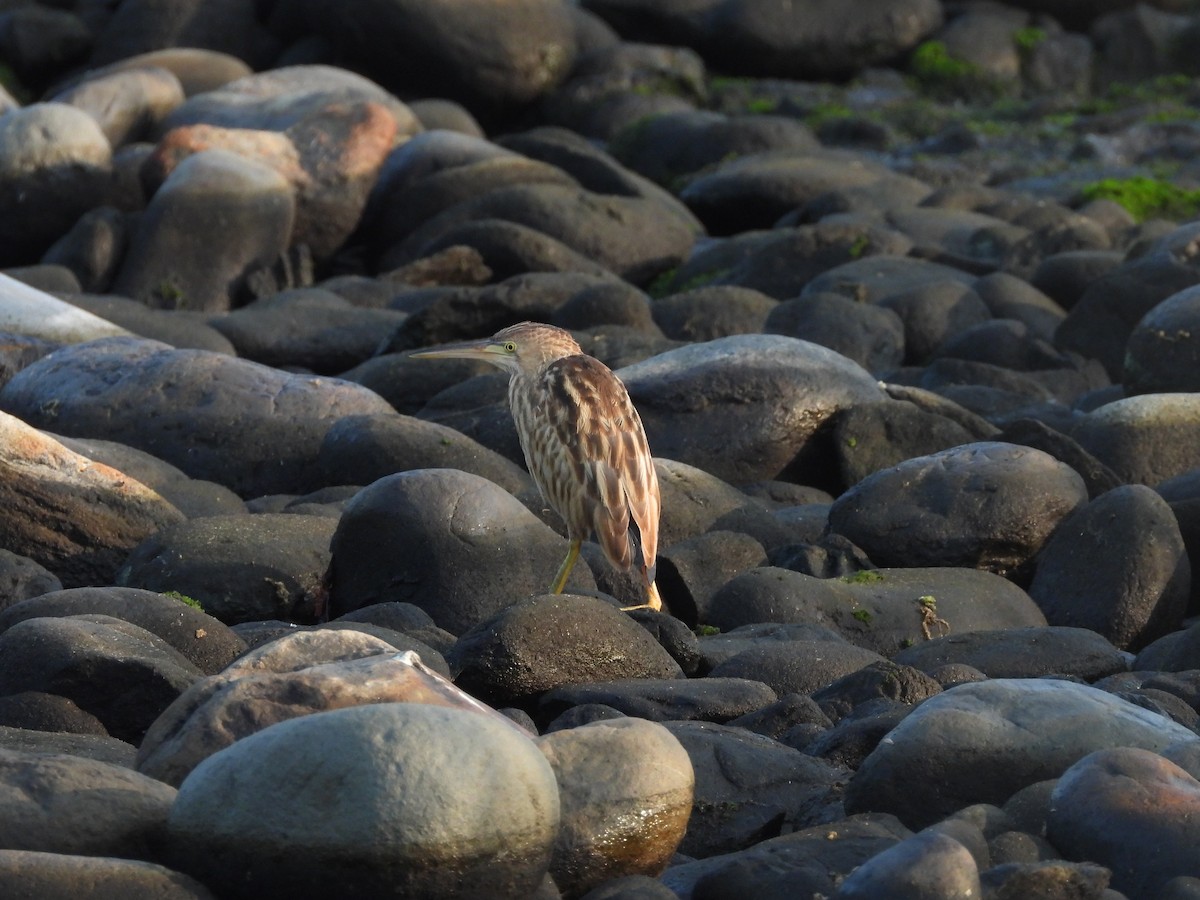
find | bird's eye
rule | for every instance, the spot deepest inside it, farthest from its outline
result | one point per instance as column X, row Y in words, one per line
column 510, row 347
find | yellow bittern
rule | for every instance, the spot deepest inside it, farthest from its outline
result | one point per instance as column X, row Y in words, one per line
column 583, row 441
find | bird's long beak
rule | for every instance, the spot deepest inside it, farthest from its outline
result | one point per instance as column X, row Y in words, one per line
column 481, row 350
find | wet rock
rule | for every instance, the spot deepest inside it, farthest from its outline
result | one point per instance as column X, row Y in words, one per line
column 625, row 794
column 986, row 741
column 362, row 819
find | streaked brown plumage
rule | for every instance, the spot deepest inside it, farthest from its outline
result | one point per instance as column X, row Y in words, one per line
column 583, row 441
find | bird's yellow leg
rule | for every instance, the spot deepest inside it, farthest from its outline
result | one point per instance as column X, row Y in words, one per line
column 564, row 571
column 653, row 600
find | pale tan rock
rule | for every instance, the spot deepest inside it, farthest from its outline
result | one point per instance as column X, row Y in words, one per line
column 76, row 517
column 26, row 310
column 269, row 686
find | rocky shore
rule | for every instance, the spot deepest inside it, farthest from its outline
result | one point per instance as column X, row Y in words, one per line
column 907, row 293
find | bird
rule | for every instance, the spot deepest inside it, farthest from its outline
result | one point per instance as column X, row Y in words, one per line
column 583, row 441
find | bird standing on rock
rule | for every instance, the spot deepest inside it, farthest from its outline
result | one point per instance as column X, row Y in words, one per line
column 583, row 441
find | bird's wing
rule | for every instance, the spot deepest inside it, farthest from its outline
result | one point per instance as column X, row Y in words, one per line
column 602, row 433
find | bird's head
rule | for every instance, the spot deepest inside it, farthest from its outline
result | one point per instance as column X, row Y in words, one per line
column 525, row 348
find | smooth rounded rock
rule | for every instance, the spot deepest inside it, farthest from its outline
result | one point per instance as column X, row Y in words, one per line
column 749, row 787
column 987, row 505
column 1028, row 651
column 126, row 104
column 983, row 742
column 28, row 311
column 764, row 397
column 120, row 673
column 202, row 639
column 254, row 429
column 625, row 794
column 77, row 518
column 67, row 804
column 1144, row 439
column 37, row 874
column 927, row 866
column 428, row 801
column 486, row 56
column 1117, row 566
column 279, row 98
column 239, row 210
column 259, row 692
column 54, row 166
column 363, row 449
column 552, row 640
column 238, row 568
column 1163, row 354
column 454, row 544
column 1133, row 811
